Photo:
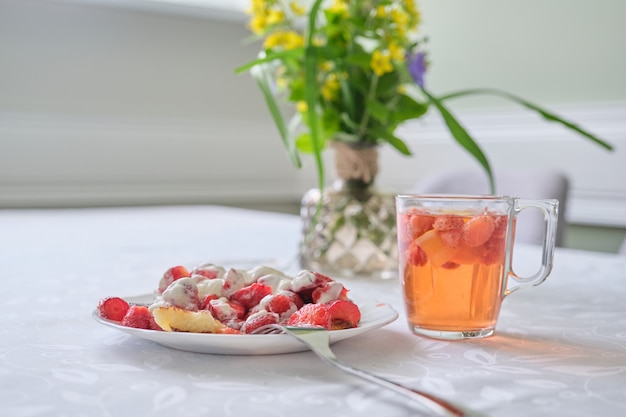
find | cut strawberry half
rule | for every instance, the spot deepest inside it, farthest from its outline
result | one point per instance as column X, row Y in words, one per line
column 113, row 308
column 344, row 314
column 311, row 315
column 251, row 295
column 138, row 317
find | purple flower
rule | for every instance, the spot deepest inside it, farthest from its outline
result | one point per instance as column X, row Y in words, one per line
column 417, row 67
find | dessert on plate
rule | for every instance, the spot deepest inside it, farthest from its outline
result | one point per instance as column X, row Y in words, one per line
column 212, row 299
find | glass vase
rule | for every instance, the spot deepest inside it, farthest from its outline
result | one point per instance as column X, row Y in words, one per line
column 349, row 230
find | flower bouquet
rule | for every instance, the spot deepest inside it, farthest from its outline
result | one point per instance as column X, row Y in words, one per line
column 353, row 71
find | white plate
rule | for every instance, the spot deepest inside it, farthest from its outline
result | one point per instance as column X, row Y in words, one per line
column 373, row 316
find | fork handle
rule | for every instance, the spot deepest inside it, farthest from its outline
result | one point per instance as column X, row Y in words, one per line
column 440, row 406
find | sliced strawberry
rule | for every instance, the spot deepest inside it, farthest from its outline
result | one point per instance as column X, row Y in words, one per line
column 258, row 320
column 415, row 255
column 113, row 308
column 311, row 315
column 251, row 295
column 478, row 230
column 226, row 310
column 501, row 223
column 228, row 330
column 204, row 304
column 447, row 222
column 171, row 275
column 420, row 224
column 329, row 291
column 451, row 238
column 138, row 317
column 280, row 303
column 344, row 314
column 293, row 297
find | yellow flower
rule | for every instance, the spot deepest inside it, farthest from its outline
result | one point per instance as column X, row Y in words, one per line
column 330, row 87
column 297, row 9
column 301, row 106
column 396, row 51
column 401, row 20
column 281, row 82
column 381, row 11
column 326, row 66
column 275, row 16
column 283, row 39
column 292, row 40
column 256, row 6
column 339, row 7
column 258, row 23
column 381, row 63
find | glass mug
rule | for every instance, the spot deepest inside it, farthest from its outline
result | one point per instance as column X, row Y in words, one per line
column 455, row 255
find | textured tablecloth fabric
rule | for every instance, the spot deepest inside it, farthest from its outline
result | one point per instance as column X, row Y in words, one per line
column 559, row 348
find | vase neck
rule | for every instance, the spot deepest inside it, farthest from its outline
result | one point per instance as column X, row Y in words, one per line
column 356, row 165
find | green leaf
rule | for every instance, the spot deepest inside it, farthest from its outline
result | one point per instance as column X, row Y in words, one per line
column 271, row 56
column 378, row 110
column 462, row 137
column 544, row 113
column 393, row 140
column 406, row 108
column 264, row 81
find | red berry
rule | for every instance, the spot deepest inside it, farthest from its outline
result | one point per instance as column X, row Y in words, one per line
column 280, row 303
column 501, row 224
column 171, row 275
column 478, row 230
column 415, row 255
column 311, row 315
column 226, row 310
column 138, row 317
column 447, row 222
column 251, row 295
column 420, row 224
column 344, row 314
column 113, row 308
column 258, row 320
column 451, row 238
column 204, row 304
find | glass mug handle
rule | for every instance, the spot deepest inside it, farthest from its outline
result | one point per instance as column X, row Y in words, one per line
column 550, row 211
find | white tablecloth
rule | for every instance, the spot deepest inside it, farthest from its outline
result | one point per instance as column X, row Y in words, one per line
column 560, row 348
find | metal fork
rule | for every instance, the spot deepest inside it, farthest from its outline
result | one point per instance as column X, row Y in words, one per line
column 317, row 339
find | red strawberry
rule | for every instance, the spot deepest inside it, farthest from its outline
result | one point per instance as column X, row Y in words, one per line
column 251, row 295
column 311, row 315
column 415, row 255
column 501, row 224
column 171, row 275
column 329, row 291
column 138, row 317
column 447, row 222
column 204, row 304
column 450, row 265
column 344, row 314
column 280, row 303
column 420, row 224
column 451, row 238
column 478, row 230
column 227, row 310
column 295, row 298
column 258, row 320
column 113, row 308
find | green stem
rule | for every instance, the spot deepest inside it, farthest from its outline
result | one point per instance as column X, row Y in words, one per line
column 366, row 113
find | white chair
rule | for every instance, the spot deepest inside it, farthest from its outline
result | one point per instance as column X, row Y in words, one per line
column 531, row 183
